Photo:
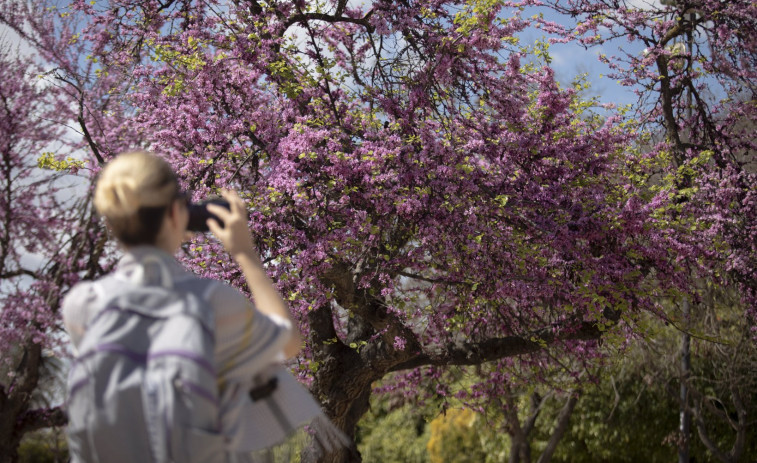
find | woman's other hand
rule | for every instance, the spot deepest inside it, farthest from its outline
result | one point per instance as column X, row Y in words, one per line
column 237, row 239
column 235, row 234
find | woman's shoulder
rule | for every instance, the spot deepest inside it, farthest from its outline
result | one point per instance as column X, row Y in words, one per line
column 78, row 307
column 226, row 298
column 82, row 294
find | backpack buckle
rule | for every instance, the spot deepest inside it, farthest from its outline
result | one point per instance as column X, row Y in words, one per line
column 264, row 390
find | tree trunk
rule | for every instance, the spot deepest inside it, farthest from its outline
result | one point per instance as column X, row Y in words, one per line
column 520, row 450
column 342, row 382
column 14, row 402
column 9, row 439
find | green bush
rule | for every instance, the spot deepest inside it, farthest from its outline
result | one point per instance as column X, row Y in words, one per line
column 45, row 446
column 393, row 436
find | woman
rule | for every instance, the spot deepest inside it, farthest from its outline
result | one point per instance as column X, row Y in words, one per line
column 139, row 196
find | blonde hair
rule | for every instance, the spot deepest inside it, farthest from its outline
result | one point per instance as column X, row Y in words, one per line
column 132, row 193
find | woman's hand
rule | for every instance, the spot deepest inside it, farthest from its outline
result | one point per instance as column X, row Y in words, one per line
column 235, row 234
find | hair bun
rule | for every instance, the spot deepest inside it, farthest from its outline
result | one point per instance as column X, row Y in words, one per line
column 131, row 181
column 117, row 197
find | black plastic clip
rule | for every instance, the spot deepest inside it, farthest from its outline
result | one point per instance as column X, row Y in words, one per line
column 264, row 390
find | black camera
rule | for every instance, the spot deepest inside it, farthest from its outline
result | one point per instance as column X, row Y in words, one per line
column 199, row 214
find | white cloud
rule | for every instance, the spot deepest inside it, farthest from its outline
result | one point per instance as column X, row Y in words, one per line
column 15, row 44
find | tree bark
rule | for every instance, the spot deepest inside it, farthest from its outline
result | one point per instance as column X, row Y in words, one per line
column 520, row 450
column 739, row 426
column 15, row 401
column 344, row 375
column 342, row 381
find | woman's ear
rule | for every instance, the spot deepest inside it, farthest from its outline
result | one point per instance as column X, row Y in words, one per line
column 180, row 213
column 173, row 211
column 172, row 215
column 175, row 222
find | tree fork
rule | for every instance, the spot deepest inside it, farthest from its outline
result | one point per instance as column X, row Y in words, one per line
column 342, row 382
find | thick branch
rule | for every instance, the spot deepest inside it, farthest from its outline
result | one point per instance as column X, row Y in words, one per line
column 18, row 272
column 537, row 402
column 562, row 425
column 42, row 418
column 90, row 141
column 415, row 276
column 666, row 96
column 738, row 445
column 705, row 438
column 476, row 352
column 371, row 309
column 305, row 17
column 739, row 426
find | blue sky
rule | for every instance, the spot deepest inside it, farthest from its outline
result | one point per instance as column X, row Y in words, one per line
column 571, row 59
column 568, row 60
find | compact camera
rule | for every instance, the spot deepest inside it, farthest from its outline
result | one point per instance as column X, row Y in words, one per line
column 199, row 214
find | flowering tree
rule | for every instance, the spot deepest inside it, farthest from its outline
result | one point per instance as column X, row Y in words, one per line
column 31, row 216
column 424, row 192
column 696, row 82
column 49, row 237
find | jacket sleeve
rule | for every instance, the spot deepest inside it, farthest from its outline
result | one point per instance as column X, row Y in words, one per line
column 247, row 340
